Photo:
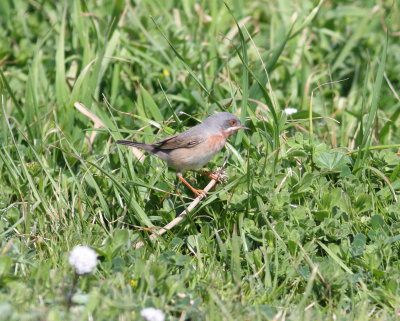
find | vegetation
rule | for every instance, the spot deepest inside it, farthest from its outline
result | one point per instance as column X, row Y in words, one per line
column 306, row 226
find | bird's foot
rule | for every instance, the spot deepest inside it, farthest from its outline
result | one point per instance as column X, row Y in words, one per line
column 213, row 176
column 196, row 192
column 199, row 192
column 218, row 175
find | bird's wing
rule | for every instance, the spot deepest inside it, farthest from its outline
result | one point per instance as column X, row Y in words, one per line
column 183, row 140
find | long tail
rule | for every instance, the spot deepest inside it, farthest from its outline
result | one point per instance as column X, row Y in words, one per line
column 147, row 147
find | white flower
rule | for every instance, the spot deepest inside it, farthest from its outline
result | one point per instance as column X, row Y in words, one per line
column 83, row 259
column 290, row 111
column 152, row 314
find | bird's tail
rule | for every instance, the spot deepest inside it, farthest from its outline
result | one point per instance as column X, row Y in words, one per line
column 143, row 146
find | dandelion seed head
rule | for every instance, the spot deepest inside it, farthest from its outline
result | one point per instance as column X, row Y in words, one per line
column 152, row 314
column 83, row 259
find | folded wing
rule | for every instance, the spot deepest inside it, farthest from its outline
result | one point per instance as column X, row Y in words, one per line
column 180, row 141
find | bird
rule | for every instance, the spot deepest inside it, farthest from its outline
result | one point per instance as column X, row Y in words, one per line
column 195, row 147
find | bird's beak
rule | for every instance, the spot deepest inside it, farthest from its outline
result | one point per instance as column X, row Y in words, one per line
column 236, row 128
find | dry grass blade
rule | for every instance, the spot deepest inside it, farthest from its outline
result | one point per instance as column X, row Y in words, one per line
column 97, row 123
column 96, row 120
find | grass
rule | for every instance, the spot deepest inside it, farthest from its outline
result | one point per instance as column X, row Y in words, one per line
column 307, row 226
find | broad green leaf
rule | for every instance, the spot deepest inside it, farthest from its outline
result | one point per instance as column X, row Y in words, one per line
column 331, row 160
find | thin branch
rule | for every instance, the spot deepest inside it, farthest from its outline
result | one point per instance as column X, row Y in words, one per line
column 180, row 217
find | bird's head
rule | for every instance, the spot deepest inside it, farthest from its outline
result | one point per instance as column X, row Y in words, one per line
column 224, row 122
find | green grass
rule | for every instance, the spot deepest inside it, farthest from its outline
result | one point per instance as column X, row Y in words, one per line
column 307, row 226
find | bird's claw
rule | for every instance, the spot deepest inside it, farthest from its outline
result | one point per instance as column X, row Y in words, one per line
column 215, row 177
column 199, row 192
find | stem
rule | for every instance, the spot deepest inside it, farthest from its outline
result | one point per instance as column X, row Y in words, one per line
column 374, row 148
column 73, row 290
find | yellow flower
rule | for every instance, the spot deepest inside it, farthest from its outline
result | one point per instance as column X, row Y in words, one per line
column 133, row 283
column 133, row 313
column 165, row 72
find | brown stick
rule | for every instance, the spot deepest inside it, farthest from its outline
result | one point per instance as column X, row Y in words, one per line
column 180, row 217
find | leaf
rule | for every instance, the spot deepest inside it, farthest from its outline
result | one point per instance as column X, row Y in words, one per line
column 149, row 103
column 373, row 108
column 331, row 160
column 392, row 239
column 358, row 245
column 235, row 259
column 297, row 153
column 305, row 183
column 120, row 238
column 321, row 215
column 363, row 203
column 5, row 264
column 377, row 221
column 61, row 86
column 335, row 257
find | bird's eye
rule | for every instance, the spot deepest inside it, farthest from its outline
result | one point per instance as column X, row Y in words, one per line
column 233, row 122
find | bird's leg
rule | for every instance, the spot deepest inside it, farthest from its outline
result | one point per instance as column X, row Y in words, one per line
column 213, row 175
column 197, row 192
column 209, row 175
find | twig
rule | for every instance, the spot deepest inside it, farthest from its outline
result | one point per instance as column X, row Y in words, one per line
column 180, row 217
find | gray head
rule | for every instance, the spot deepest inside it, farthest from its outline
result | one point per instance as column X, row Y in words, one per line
column 224, row 122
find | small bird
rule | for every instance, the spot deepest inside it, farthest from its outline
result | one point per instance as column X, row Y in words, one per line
column 195, row 147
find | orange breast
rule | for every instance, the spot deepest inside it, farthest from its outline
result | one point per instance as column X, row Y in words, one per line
column 216, row 142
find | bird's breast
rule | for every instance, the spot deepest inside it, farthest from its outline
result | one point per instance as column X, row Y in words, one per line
column 216, row 142
column 198, row 156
